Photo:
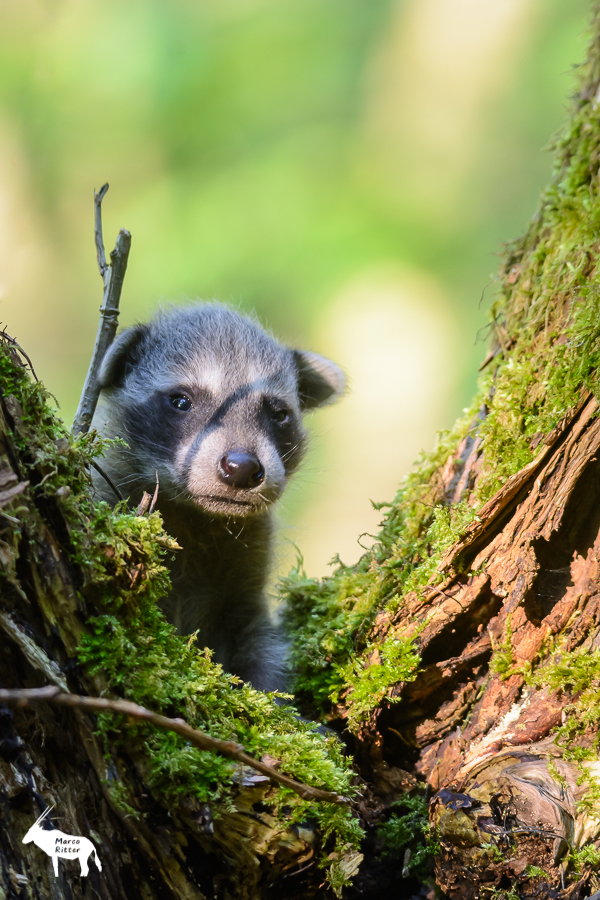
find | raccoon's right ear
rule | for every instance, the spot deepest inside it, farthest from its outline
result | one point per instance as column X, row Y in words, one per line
column 320, row 381
column 122, row 356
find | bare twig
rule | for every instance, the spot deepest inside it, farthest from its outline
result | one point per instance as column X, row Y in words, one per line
column 155, row 495
column 230, row 749
column 148, row 501
column 100, row 254
column 107, row 478
column 144, row 504
column 112, row 278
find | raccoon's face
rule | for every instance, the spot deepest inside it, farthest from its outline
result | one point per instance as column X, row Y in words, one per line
column 213, row 404
column 223, row 438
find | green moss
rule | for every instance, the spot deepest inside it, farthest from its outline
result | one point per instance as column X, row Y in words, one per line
column 329, row 619
column 578, row 672
column 494, row 893
column 536, row 872
column 137, row 651
column 545, row 334
column 589, row 855
column 398, row 660
column 131, row 651
column 55, row 463
column 408, row 828
column 120, row 797
column 494, row 852
column 503, row 660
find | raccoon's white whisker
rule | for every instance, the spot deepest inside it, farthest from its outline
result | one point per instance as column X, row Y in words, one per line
column 237, row 536
column 287, row 455
column 130, row 480
column 183, row 493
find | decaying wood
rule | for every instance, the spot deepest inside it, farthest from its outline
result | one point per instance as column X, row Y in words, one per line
column 483, row 741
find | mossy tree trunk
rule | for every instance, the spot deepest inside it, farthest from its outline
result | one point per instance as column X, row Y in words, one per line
column 79, row 584
column 51, row 755
column 464, row 649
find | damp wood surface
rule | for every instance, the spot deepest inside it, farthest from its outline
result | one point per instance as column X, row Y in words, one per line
column 461, row 655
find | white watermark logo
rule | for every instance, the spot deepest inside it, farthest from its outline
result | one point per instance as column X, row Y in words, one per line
column 56, row 843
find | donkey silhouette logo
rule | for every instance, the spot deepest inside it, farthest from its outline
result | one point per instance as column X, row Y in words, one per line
column 56, row 843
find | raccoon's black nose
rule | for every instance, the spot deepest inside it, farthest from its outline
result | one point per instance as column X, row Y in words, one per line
column 241, row 469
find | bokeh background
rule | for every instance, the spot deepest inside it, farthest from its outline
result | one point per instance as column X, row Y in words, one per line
column 347, row 168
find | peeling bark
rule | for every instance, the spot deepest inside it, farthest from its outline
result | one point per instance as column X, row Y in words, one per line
column 482, row 739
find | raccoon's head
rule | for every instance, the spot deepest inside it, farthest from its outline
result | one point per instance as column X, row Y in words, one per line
column 212, row 403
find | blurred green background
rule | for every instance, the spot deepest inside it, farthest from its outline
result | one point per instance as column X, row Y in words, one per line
column 347, row 168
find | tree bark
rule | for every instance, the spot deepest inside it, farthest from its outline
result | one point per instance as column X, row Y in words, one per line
column 500, row 718
column 253, row 845
column 481, row 736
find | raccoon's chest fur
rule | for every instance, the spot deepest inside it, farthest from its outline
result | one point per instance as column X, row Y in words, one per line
column 218, row 580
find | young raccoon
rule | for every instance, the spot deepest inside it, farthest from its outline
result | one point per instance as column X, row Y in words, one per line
column 212, row 403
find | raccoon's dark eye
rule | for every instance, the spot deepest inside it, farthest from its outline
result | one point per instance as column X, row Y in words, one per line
column 281, row 416
column 181, row 402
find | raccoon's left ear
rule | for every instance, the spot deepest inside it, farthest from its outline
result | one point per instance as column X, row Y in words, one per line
column 122, row 356
column 320, row 381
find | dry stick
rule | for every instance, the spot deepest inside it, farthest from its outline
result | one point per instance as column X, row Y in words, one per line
column 112, row 277
column 148, row 501
column 107, row 478
column 230, row 749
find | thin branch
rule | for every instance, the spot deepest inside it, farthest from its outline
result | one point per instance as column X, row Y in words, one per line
column 112, row 278
column 230, row 749
column 148, row 501
column 100, row 254
column 107, row 478
column 144, row 504
column 155, row 495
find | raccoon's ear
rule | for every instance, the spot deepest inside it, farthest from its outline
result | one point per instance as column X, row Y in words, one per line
column 320, row 381
column 122, row 356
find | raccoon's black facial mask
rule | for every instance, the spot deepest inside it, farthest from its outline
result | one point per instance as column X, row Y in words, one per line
column 232, row 456
column 214, row 405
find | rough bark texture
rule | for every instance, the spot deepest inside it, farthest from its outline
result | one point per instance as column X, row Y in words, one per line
column 482, row 738
column 500, row 714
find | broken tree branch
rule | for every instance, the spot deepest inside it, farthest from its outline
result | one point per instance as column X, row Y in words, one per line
column 229, row 749
column 113, row 275
column 98, row 238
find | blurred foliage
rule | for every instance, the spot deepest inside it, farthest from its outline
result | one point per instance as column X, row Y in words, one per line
column 233, row 135
column 269, row 152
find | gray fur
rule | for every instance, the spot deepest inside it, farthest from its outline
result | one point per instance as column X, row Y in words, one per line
column 241, row 383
